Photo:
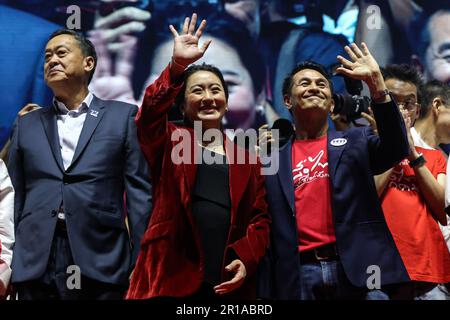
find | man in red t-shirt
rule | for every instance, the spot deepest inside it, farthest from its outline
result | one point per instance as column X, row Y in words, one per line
column 412, row 194
column 330, row 239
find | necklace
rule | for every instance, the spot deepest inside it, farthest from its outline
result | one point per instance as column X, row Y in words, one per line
column 217, row 148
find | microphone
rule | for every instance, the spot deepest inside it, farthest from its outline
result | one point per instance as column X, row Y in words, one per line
column 286, row 130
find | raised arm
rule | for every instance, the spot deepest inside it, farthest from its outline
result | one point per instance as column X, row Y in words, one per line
column 391, row 144
column 364, row 67
column 151, row 120
column 186, row 49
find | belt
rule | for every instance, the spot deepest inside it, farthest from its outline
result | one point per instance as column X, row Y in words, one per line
column 326, row 252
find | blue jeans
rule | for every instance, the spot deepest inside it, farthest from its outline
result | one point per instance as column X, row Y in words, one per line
column 415, row 290
column 326, row 280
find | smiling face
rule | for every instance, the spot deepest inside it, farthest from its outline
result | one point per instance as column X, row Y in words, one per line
column 65, row 62
column 242, row 99
column 204, row 99
column 437, row 56
column 310, row 95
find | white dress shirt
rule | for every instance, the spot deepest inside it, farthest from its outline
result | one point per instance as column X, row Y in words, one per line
column 70, row 123
column 6, row 226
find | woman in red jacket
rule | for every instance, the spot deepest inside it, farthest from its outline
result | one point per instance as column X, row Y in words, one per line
column 209, row 225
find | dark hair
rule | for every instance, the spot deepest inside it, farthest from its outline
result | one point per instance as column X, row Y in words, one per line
column 86, row 46
column 406, row 73
column 179, row 100
column 288, row 81
column 431, row 90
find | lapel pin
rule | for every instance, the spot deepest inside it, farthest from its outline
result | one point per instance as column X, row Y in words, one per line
column 94, row 113
column 338, row 142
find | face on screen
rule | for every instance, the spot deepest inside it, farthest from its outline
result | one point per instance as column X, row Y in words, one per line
column 437, row 58
column 246, row 11
column 241, row 101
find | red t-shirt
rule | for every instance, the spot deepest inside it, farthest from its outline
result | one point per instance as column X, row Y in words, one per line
column 312, row 193
column 416, row 233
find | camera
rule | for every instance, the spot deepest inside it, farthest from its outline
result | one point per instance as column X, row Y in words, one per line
column 351, row 105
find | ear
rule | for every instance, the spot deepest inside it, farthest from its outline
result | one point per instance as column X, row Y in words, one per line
column 181, row 106
column 261, row 98
column 89, row 64
column 418, row 111
column 332, row 105
column 417, row 64
column 436, row 104
column 287, row 102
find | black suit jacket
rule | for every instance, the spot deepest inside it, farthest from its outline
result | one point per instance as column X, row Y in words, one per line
column 362, row 235
column 107, row 165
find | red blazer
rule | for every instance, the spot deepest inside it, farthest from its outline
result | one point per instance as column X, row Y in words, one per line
column 171, row 261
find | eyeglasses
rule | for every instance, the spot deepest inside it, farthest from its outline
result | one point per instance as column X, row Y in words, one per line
column 408, row 104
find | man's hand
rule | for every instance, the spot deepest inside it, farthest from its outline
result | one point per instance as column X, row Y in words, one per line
column 185, row 48
column 371, row 119
column 264, row 138
column 363, row 67
column 238, row 267
column 340, row 121
column 413, row 154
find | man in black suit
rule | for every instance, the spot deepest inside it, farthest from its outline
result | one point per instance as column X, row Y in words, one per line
column 73, row 165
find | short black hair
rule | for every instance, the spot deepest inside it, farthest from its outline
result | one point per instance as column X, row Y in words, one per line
column 179, row 100
column 430, row 91
column 86, row 46
column 406, row 73
column 288, row 81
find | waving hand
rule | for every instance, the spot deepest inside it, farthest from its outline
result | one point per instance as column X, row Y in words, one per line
column 186, row 49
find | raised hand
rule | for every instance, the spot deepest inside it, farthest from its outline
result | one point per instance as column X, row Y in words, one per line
column 363, row 64
column 186, row 48
column 370, row 117
column 413, row 154
column 363, row 67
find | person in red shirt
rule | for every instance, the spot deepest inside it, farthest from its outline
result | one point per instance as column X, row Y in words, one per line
column 329, row 235
column 412, row 194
